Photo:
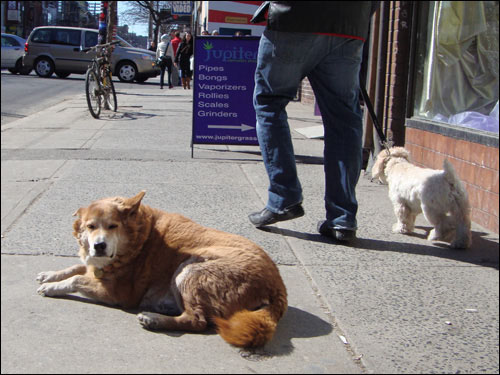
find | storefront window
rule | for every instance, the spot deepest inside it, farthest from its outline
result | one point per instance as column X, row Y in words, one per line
column 456, row 78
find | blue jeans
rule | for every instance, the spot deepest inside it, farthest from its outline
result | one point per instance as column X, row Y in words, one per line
column 332, row 65
column 169, row 70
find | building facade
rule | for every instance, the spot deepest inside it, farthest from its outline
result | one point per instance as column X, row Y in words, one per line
column 21, row 17
column 452, row 106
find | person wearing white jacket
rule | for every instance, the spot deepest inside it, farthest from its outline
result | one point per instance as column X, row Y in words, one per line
column 165, row 50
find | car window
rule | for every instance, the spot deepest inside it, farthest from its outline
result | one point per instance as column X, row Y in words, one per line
column 66, row 37
column 42, row 36
column 7, row 41
column 90, row 39
column 124, row 44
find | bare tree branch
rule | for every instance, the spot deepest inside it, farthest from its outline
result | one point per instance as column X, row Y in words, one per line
column 140, row 11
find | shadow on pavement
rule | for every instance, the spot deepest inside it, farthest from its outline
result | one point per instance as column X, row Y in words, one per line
column 483, row 252
column 300, row 159
column 296, row 323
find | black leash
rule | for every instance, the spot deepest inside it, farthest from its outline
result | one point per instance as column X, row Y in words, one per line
column 378, row 127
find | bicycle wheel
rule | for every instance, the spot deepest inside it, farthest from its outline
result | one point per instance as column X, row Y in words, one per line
column 109, row 94
column 92, row 92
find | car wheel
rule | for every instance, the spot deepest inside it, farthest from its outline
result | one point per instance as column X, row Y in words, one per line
column 12, row 70
column 44, row 67
column 21, row 69
column 62, row 74
column 126, row 71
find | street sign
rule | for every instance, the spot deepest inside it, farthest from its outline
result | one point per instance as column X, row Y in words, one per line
column 224, row 69
column 182, row 7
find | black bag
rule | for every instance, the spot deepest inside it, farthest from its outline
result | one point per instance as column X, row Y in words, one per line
column 164, row 61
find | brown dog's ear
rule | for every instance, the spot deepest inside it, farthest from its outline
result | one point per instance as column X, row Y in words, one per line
column 77, row 230
column 131, row 205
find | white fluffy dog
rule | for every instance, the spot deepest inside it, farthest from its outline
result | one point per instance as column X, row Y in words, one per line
column 439, row 194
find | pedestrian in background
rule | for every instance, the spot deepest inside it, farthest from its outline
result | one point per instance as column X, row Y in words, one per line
column 165, row 55
column 176, row 40
column 182, row 59
column 215, row 33
column 324, row 42
column 152, row 46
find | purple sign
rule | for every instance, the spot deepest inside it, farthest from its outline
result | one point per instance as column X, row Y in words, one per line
column 223, row 78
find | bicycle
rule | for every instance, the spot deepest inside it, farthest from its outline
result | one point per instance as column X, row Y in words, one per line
column 99, row 86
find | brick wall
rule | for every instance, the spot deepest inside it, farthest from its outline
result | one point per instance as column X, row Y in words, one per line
column 476, row 165
column 398, row 50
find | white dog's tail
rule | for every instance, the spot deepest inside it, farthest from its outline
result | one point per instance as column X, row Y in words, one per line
column 461, row 208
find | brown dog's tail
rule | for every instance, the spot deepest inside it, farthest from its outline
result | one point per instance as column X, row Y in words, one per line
column 248, row 329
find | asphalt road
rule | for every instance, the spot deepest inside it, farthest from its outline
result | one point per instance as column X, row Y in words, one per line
column 26, row 95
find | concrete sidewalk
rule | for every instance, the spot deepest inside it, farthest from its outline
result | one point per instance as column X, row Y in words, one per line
column 387, row 304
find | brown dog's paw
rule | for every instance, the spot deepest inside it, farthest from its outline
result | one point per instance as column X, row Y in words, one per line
column 46, row 277
column 149, row 320
column 59, row 288
column 46, row 290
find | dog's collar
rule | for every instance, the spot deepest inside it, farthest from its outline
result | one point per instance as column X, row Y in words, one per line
column 99, row 272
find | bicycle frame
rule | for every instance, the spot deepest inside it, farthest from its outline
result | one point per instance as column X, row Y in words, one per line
column 99, row 72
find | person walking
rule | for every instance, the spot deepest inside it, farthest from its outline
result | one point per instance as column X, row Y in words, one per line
column 324, row 42
column 182, row 59
column 175, row 36
column 175, row 40
column 165, row 52
column 152, row 46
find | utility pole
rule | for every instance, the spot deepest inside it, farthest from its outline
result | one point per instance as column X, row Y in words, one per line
column 102, row 38
column 112, row 20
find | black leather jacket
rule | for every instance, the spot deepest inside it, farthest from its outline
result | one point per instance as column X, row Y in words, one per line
column 345, row 18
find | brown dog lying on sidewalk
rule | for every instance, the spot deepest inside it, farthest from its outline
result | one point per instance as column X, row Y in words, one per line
column 138, row 256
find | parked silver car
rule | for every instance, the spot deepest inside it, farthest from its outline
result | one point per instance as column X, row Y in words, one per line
column 58, row 49
column 12, row 54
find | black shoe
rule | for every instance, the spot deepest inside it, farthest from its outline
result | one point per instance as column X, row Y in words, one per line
column 266, row 217
column 342, row 235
